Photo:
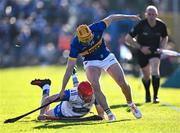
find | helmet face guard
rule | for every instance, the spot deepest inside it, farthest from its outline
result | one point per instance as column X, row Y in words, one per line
column 84, row 34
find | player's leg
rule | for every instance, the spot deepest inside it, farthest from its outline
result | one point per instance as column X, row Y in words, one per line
column 146, row 82
column 155, row 64
column 45, row 86
column 93, row 75
column 116, row 72
column 50, row 114
column 143, row 61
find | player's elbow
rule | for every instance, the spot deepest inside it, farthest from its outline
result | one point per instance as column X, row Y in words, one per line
column 127, row 39
column 108, row 20
column 111, row 18
column 166, row 38
column 48, row 99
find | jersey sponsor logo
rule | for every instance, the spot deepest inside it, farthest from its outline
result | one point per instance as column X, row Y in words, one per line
column 92, row 49
column 91, row 43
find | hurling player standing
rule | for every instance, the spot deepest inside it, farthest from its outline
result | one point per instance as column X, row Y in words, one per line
column 150, row 34
column 90, row 45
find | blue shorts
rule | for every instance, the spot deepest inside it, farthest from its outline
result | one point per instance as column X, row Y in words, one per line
column 57, row 111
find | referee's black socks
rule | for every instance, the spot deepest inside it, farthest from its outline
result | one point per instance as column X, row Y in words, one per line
column 155, row 83
column 146, row 84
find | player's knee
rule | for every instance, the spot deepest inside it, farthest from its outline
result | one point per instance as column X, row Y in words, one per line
column 146, row 76
column 155, row 72
column 95, row 85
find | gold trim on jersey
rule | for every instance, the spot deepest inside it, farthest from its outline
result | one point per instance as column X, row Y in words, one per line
column 105, row 23
column 92, row 49
column 70, row 58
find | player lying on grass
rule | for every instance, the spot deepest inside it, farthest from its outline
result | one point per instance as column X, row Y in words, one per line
column 76, row 102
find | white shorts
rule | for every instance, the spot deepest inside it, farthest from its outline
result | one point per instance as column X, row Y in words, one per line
column 104, row 64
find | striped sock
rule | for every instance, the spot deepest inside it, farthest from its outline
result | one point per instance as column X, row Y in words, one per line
column 108, row 111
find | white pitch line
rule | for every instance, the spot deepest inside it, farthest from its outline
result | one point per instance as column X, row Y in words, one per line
column 170, row 106
column 173, row 107
column 161, row 102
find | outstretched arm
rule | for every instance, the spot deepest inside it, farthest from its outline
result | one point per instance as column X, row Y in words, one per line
column 69, row 69
column 117, row 17
column 163, row 42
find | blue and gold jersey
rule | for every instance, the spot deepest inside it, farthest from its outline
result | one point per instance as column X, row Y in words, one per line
column 96, row 50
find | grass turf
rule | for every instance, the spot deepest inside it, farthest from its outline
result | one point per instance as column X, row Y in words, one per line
column 18, row 97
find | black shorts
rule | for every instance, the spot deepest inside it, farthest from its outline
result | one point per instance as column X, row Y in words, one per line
column 143, row 59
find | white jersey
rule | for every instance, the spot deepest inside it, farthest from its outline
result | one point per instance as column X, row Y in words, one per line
column 73, row 105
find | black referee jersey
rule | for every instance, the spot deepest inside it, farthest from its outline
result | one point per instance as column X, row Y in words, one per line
column 149, row 36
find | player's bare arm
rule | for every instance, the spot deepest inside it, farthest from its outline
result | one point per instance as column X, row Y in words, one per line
column 69, row 69
column 100, row 110
column 48, row 100
column 132, row 42
column 163, row 42
column 116, row 17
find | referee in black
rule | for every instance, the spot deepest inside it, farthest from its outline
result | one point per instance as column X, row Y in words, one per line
column 147, row 36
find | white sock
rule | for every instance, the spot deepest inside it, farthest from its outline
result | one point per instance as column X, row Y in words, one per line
column 46, row 89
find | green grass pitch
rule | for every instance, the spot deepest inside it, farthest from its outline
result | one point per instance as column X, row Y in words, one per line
column 18, row 97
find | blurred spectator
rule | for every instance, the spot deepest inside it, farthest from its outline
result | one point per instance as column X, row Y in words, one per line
column 35, row 32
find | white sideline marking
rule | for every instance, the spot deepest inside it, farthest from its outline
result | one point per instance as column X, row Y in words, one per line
column 161, row 102
column 170, row 106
